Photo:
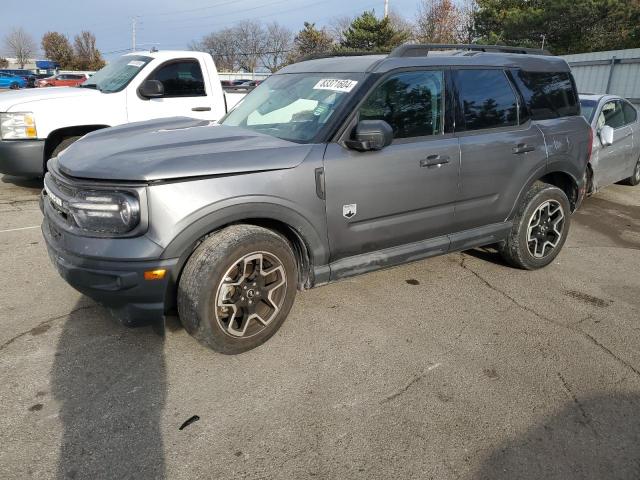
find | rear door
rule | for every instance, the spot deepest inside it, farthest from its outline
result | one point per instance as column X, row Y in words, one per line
column 500, row 147
column 185, row 93
column 405, row 192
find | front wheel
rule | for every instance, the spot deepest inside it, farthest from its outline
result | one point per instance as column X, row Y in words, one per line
column 15, row 86
column 634, row 179
column 540, row 228
column 237, row 288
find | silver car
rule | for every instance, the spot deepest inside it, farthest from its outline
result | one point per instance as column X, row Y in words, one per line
column 616, row 140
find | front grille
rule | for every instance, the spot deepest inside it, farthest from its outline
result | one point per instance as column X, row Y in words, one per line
column 59, row 193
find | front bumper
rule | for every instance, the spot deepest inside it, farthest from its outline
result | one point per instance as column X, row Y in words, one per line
column 118, row 285
column 22, row 158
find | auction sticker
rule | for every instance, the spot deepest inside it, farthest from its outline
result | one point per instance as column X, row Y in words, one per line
column 136, row 63
column 336, row 84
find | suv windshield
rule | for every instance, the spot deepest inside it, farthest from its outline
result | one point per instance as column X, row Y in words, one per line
column 117, row 74
column 294, row 106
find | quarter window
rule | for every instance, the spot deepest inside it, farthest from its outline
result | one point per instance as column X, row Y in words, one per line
column 181, row 79
column 411, row 102
column 487, row 99
column 547, row 95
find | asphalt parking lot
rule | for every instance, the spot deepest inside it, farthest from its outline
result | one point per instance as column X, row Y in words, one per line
column 456, row 367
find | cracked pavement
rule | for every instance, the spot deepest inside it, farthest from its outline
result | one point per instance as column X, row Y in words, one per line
column 456, row 367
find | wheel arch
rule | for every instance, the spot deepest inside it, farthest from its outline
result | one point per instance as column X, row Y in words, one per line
column 308, row 246
column 56, row 136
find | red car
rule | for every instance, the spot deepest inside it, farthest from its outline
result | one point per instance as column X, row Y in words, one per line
column 62, row 80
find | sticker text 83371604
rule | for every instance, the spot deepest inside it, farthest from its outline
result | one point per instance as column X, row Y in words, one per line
column 335, row 84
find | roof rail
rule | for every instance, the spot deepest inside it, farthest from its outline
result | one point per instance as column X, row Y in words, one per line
column 422, row 50
column 354, row 53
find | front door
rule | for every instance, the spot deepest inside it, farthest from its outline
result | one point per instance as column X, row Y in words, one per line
column 613, row 159
column 184, row 93
column 405, row 192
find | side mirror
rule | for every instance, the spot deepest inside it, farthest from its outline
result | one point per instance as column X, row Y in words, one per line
column 151, row 89
column 606, row 135
column 370, row 135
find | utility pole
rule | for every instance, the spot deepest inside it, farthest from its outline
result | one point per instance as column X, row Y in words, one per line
column 386, row 8
column 133, row 34
column 544, row 37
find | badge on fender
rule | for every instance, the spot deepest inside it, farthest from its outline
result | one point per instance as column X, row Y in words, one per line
column 349, row 211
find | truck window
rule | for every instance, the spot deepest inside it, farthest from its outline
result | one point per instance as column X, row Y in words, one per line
column 487, row 99
column 411, row 102
column 181, row 79
column 547, row 95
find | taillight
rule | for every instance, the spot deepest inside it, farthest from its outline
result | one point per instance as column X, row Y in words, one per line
column 590, row 145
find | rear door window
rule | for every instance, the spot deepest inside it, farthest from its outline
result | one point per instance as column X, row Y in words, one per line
column 411, row 102
column 547, row 95
column 487, row 99
column 181, row 79
column 630, row 113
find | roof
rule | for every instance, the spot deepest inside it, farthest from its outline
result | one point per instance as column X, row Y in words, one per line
column 383, row 63
column 596, row 97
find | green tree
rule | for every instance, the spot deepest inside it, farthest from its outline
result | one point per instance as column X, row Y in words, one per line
column 567, row 26
column 370, row 34
column 310, row 41
column 57, row 48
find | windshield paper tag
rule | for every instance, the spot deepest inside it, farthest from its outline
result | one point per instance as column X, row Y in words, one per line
column 136, row 63
column 335, row 84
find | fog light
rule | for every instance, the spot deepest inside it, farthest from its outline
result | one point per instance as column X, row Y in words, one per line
column 155, row 274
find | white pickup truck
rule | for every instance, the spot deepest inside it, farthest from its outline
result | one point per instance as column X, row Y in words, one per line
column 36, row 124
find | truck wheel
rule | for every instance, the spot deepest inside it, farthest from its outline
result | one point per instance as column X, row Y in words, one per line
column 634, row 179
column 540, row 228
column 237, row 288
column 60, row 147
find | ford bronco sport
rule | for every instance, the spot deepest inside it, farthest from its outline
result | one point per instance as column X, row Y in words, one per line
column 330, row 168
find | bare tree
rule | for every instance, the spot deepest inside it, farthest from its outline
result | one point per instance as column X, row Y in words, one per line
column 250, row 40
column 337, row 26
column 222, row 47
column 87, row 56
column 468, row 9
column 277, row 45
column 438, row 21
column 401, row 24
column 20, row 44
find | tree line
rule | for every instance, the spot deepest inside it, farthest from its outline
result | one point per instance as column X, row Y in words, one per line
column 81, row 55
column 562, row 26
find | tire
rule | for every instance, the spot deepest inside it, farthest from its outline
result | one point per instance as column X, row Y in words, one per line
column 634, row 179
column 212, row 279
column 64, row 144
column 547, row 211
column 14, row 86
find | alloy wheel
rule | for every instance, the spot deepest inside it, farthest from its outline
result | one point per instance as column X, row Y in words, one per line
column 545, row 228
column 250, row 294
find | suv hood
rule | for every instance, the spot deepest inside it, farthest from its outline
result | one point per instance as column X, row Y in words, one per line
column 178, row 147
column 24, row 97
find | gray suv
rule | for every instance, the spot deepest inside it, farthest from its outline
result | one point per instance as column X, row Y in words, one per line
column 332, row 167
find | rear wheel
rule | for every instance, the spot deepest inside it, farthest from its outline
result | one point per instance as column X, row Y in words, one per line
column 237, row 288
column 15, row 86
column 540, row 228
column 634, row 179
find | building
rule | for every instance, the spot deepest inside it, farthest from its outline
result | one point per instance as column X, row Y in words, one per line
column 615, row 71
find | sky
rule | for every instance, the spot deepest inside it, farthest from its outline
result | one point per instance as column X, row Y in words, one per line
column 171, row 24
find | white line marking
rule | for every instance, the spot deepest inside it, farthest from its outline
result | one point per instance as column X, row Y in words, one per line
column 18, row 229
column 433, row 367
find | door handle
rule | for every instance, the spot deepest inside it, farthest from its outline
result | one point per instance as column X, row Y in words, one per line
column 434, row 160
column 523, row 148
column 201, row 109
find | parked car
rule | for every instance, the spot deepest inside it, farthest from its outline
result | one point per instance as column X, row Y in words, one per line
column 27, row 75
column 135, row 87
column 330, row 168
column 62, row 80
column 240, row 81
column 8, row 80
column 616, row 142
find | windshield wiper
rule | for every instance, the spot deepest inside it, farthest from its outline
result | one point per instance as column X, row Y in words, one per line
column 90, row 85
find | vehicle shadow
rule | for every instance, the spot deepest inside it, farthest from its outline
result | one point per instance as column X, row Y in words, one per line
column 110, row 382
column 33, row 183
column 594, row 438
column 488, row 254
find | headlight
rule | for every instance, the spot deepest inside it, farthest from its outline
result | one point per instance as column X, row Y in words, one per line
column 17, row 126
column 105, row 212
